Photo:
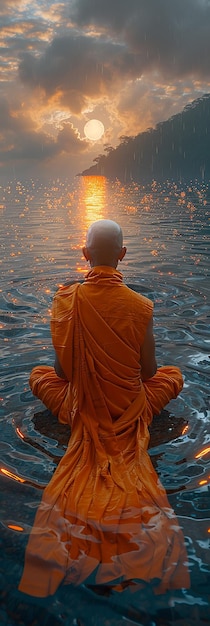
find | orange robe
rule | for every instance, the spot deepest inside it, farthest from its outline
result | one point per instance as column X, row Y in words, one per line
column 104, row 513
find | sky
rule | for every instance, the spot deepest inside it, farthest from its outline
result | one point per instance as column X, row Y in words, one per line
column 127, row 63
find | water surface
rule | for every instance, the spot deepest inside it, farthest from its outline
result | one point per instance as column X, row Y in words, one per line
column 166, row 230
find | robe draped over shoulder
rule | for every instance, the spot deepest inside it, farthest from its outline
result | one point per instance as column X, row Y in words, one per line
column 104, row 513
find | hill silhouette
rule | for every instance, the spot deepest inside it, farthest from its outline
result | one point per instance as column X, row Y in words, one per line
column 177, row 149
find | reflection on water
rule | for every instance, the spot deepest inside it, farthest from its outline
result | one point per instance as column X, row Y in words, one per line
column 166, row 233
column 91, row 206
column 92, row 200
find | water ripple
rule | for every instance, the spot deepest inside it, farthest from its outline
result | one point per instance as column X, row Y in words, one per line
column 167, row 262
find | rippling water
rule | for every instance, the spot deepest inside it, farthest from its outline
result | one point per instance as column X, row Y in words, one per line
column 166, row 231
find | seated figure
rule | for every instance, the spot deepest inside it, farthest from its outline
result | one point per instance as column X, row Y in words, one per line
column 104, row 517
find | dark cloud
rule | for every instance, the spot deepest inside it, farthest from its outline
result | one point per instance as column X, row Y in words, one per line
column 68, row 140
column 113, row 15
column 133, row 39
column 18, row 34
column 170, row 36
column 80, row 67
column 20, row 140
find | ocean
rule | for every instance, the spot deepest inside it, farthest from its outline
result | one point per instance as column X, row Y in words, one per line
column 166, row 231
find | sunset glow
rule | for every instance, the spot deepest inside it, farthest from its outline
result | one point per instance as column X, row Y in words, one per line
column 62, row 64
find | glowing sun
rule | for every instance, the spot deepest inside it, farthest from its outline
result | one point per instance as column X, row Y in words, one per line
column 94, row 129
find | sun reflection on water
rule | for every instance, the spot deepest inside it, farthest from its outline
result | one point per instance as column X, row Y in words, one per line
column 92, row 206
column 92, row 200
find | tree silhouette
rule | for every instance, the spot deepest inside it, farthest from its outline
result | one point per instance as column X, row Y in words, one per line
column 175, row 149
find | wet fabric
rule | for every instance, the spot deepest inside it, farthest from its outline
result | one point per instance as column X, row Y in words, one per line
column 104, row 517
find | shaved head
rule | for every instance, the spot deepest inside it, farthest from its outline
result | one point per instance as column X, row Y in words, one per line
column 104, row 243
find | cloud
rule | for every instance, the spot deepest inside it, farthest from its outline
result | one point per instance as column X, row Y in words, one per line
column 20, row 139
column 170, row 37
column 79, row 67
column 16, row 38
column 68, row 140
column 13, row 6
column 6, row 5
column 121, row 42
column 21, row 31
column 130, row 64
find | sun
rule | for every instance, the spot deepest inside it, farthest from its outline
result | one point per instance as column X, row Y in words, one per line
column 94, row 129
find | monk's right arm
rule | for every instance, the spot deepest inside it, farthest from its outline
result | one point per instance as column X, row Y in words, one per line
column 147, row 356
column 58, row 368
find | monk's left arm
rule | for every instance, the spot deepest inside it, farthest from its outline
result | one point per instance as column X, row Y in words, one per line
column 58, row 369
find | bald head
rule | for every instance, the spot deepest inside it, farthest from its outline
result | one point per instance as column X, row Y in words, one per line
column 104, row 244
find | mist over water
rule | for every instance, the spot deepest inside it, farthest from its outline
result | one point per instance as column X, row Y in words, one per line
column 166, row 231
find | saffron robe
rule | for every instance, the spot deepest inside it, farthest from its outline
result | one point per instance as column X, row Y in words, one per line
column 104, row 513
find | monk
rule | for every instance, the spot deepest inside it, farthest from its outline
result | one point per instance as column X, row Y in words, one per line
column 104, row 517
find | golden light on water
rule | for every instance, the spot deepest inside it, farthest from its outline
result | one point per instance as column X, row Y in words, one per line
column 202, row 453
column 18, row 431
column 185, row 429
column 92, row 206
column 11, row 475
column 93, row 199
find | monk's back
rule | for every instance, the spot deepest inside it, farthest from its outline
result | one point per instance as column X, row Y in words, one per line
column 124, row 310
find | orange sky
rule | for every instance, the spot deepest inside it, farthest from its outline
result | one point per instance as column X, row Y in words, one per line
column 63, row 63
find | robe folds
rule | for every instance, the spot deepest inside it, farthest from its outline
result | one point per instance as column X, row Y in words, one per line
column 104, row 516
